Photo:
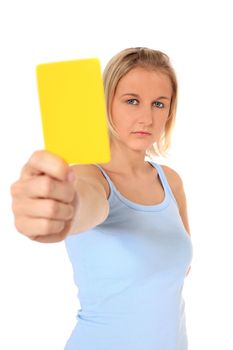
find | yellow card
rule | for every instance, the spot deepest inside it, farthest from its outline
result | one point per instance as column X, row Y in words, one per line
column 73, row 110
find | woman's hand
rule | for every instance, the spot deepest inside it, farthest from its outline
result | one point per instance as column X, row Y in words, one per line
column 44, row 198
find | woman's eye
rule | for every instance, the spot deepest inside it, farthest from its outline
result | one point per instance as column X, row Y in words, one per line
column 132, row 101
column 158, row 104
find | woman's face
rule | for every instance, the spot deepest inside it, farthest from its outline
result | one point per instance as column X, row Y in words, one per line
column 140, row 107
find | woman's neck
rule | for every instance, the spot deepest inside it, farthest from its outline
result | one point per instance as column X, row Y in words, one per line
column 126, row 161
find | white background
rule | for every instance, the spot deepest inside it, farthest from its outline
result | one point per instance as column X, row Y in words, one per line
column 37, row 295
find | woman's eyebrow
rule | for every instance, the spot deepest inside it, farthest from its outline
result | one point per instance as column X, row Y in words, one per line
column 130, row 94
column 136, row 95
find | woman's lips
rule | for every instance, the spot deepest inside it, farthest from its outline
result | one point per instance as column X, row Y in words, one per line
column 142, row 133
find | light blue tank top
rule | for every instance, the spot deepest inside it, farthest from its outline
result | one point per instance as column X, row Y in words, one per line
column 130, row 271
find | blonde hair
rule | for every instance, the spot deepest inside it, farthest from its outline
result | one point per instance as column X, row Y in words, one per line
column 147, row 58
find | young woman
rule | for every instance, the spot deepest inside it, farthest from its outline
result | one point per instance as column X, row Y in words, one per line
column 124, row 223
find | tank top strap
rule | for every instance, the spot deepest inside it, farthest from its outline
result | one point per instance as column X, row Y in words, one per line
column 110, row 183
column 163, row 179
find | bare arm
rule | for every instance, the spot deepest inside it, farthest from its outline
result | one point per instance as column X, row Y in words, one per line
column 92, row 203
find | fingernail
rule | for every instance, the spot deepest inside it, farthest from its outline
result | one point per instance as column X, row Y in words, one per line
column 71, row 176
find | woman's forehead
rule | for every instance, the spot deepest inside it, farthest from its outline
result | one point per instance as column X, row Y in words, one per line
column 142, row 79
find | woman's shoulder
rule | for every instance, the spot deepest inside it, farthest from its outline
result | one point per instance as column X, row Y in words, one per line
column 177, row 187
column 173, row 177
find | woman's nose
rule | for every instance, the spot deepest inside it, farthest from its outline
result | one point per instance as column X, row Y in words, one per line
column 146, row 116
